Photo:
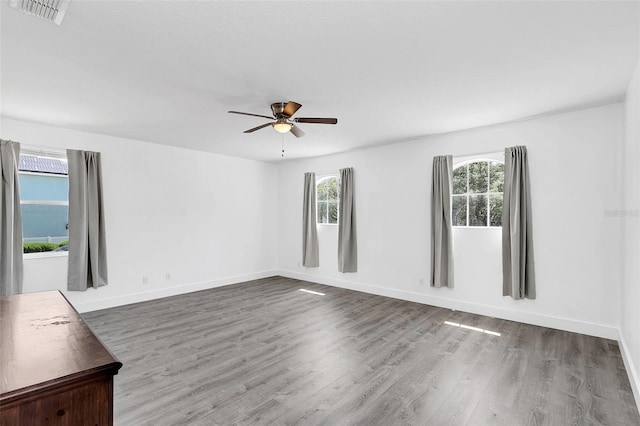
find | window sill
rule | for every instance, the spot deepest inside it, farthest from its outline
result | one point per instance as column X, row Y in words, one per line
column 42, row 255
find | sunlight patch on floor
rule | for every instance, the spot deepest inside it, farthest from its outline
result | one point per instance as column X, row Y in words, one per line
column 468, row 327
column 312, row 292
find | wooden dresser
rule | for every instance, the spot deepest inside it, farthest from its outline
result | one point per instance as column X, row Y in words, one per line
column 53, row 369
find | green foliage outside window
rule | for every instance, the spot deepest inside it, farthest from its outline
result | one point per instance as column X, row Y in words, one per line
column 327, row 200
column 477, row 194
column 42, row 247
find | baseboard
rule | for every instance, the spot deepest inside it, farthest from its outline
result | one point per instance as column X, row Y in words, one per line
column 559, row 323
column 166, row 292
column 582, row 327
column 634, row 380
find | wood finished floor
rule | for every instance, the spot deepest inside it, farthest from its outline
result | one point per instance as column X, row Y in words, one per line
column 263, row 352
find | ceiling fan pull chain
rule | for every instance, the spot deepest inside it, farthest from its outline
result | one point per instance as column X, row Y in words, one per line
column 282, row 138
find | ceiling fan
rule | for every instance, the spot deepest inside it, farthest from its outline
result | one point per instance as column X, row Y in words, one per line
column 282, row 113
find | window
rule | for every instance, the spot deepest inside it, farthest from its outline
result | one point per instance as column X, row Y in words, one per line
column 44, row 198
column 477, row 193
column 327, row 200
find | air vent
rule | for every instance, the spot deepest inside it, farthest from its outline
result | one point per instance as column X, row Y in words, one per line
column 49, row 10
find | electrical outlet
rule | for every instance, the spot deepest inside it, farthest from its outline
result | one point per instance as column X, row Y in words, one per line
column 145, row 279
column 167, row 276
column 421, row 281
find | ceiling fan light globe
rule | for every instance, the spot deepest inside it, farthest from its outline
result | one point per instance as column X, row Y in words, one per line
column 282, row 127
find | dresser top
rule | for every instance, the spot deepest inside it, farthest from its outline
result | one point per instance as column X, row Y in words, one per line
column 45, row 342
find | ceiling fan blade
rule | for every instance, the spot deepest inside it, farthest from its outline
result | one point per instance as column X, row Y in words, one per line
column 316, row 120
column 297, row 131
column 291, row 108
column 258, row 128
column 248, row 113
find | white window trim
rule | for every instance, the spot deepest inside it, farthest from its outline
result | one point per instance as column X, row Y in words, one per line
column 320, row 178
column 465, row 161
column 45, row 202
column 44, row 152
column 44, row 254
column 30, row 173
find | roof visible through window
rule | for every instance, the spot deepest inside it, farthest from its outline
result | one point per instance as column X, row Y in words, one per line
column 36, row 164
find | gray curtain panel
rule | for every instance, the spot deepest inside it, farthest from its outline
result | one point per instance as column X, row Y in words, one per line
column 441, row 224
column 347, row 241
column 310, row 256
column 518, row 277
column 87, row 242
column 10, row 220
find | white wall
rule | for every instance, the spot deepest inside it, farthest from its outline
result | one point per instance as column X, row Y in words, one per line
column 208, row 220
column 574, row 161
column 630, row 221
column 203, row 218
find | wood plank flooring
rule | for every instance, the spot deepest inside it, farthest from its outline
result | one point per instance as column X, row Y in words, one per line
column 265, row 353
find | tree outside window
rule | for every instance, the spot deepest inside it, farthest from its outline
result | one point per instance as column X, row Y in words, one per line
column 477, row 194
column 327, row 200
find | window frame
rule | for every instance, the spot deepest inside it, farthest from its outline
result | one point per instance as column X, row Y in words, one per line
column 466, row 162
column 46, row 154
column 319, row 180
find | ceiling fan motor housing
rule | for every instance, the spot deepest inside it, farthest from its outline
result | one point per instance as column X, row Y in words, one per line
column 277, row 108
column 282, row 113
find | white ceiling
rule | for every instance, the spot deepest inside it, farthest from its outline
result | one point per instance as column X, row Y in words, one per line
column 168, row 71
